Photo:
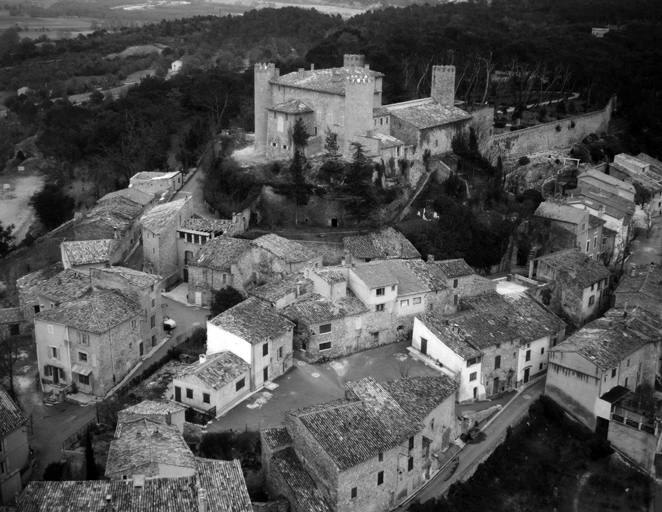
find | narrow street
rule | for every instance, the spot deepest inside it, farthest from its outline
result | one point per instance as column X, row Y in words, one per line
column 472, row 452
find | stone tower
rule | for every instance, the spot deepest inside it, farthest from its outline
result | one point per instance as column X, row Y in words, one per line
column 359, row 98
column 353, row 61
column 443, row 85
column 264, row 73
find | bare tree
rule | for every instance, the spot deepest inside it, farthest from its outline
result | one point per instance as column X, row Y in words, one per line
column 9, row 355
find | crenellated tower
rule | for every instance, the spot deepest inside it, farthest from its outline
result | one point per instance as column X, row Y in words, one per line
column 264, row 74
column 359, row 97
column 443, row 85
column 353, row 61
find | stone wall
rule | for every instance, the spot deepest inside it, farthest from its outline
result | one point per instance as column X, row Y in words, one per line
column 118, row 354
column 636, row 444
column 509, row 359
column 278, row 210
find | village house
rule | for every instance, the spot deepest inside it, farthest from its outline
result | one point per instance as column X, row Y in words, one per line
column 27, row 287
column 578, row 286
column 216, row 486
column 243, row 264
column 144, row 199
column 84, row 255
column 12, row 322
column 148, row 448
column 92, row 342
column 15, row 466
column 163, row 185
column 176, row 65
column 214, row 384
column 348, row 101
column 366, row 452
column 170, row 413
column 621, row 349
column 585, row 228
column 461, row 280
column 655, row 164
column 641, row 289
column 642, row 174
column 284, row 292
column 609, row 183
column 159, row 234
column 65, row 286
column 385, row 244
column 493, row 344
column 255, row 332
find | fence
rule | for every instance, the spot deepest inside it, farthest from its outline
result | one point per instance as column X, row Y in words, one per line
column 70, row 441
column 196, row 417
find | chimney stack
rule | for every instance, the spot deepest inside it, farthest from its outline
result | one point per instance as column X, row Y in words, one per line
column 203, row 358
column 430, row 258
column 312, row 67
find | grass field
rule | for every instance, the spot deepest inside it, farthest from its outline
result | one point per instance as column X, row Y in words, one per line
column 53, row 28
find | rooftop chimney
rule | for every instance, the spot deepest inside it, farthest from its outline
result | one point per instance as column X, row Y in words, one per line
column 203, row 358
column 430, row 258
column 312, row 67
column 138, row 481
column 301, row 70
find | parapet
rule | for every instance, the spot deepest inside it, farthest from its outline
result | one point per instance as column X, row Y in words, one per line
column 360, row 79
column 263, row 67
column 443, row 69
column 353, row 61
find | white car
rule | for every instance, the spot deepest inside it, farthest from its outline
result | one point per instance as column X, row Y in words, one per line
column 169, row 324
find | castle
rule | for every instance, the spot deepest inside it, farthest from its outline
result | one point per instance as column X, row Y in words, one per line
column 348, row 102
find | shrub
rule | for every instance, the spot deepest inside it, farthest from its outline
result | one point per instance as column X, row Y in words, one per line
column 54, row 472
column 558, row 127
column 599, row 448
column 524, row 160
column 572, row 124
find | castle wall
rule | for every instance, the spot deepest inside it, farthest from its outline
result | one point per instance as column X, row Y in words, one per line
column 263, row 100
column 443, row 85
column 359, row 98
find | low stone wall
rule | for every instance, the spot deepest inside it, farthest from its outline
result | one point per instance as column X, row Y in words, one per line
column 281, row 505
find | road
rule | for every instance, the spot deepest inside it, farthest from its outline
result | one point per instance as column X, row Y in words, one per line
column 194, row 187
column 439, row 484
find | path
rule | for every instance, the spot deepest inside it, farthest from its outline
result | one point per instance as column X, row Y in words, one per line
column 472, row 452
column 194, row 188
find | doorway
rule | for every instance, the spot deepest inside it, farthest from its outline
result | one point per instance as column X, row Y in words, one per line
column 198, row 298
column 265, row 374
column 495, row 389
column 178, row 394
column 186, row 275
column 334, row 223
column 526, row 375
column 424, row 346
column 56, row 375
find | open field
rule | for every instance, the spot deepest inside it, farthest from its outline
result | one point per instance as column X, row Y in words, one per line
column 14, row 208
column 53, row 28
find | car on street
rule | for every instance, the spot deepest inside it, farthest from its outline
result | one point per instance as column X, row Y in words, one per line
column 169, row 324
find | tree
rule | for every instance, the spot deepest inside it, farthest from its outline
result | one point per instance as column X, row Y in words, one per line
column 299, row 135
column 299, row 192
column 360, row 194
column 54, row 472
column 224, row 299
column 9, row 355
column 6, row 239
column 92, row 472
column 331, row 148
column 53, row 207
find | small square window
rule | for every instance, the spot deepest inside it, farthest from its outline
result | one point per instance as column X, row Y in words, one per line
column 417, row 300
column 206, row 398
column 325, row 346
column 473, row 376
column 591, row 300
column 82, row 356
column 189, row 393
column 240, row 384
column 392, row 288
column 379, row 307
column 380, row 291
column 404, row 303
column 49, row 328
column 354, row 492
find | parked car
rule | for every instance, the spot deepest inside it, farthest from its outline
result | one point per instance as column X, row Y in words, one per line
column 169, row 324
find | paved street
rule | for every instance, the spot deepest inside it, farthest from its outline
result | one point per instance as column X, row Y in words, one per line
column 473, row 451
column 194, row 187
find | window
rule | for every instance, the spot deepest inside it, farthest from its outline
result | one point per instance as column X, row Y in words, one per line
column 541, row 366
column 240, row 384
column 393, row 288
column 280, row 352
column 325, row 328
column 404, row 303
column 455, row 283
column 380, row 478
column 417, row 300
column 497, row 362
column 189, row 393
column 528, row 355
column 411, row 443
column 592, row 286
column 154, row 340
column 410, row 464
column 542, row 351
column 182, row 235
column 152, row 321
column 604, row 240
column 153, row 302
column 473, row 376
column 380, row 291
column 265, row 349
column 49, row 328
column 588, row 245
column 36, row 308
column 595, row 242
column 14, row 330
column 381, row 457
column 3, row 467
column 224, row 278
column 375, row 336
column 626, row 382
column 84, row 379
column 628, row 363
column 82, row 356
column 325, row 346
column 472, row 361
column 354, row 492
column 600, row 285
column 54, row 353
column 48, row 370
column 206, row 398
column 613, row 373
column 591, row 300
column 379, row 307
column 456, row 299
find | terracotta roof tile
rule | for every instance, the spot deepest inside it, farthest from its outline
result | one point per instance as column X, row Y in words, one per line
column 305, row 491
column 427, row 114
column 132, row 194
column 276, row 290
column 11, row 315
column 332, row 275
column 220, row 253
column 287, row 250
column 136, row 278
column 224, row 484
column 217, row 226
column 11, row 417
column 150, row 407
column 293, row 106
column 386, row 243
column 562, row 213
column 158, row 220
column 419, row 396
column 454, row 268
column 276, row 437
column 89, row 252
column 218, row 369
column 333, row 80
column 65, row 286
column 579, row 270
column 315, row 308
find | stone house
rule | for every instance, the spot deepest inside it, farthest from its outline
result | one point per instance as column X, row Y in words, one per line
column 284, row 292
column 620, row 349
column 585, row 228
column 14, row 449
column 385, row 244
column 608, row 183
column 148, row 448
column 215, row 383
column 63, row 287
column 493, row 344
column 12, row 322
column 641, row 289
column 84, row 255
column 348, row 101
column 642, row 173
column 460, row 279
column 160, row 184
column 366, row 452
column 255, row 332
column 170, row 413
column 159, row 234
column 144, row 289
column 176, row 65
column 27, row 286
column 92, row 341
column 579, row 286
column 243, row 264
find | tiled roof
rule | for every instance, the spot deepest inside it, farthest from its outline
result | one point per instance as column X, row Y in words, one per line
column 305, row 491
column 217, row 370
column 315, row 308
column 331, row 80
column 65, row 286
column 155, row 175
column 431, row 275
column 615, row 206
column 561, row 213
column 38, row 277
column 380, row 111
column 408, row 280
column 159, row 218
column 441, row 328
column 643, row 289
column 593, row 176
column 578, row 266
column 217, row 226
column 594, row 222
column 655, row 165
column 11, row 416
column 224, row 484
column 293, row 106
column 11, row 315
column 454, row 268
column 607, row 341
column 276, row 437
column 253, row 320
column 332, row 275
column 107, row 219
column 156, row 495
column 220, row 253
column 276, row 290
column 374, row 275
column 285, row 249
column 88, row 252
column 140, row 445
column 96, row 311
column 427, row 114
column 132, row 194
column 386, row 243
column 136, row 278
column 152, row 408
column 419, row 396
column 388, row 141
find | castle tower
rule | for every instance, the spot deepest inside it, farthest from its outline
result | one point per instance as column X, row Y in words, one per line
column 359, row 98
column 264, row 73
column 443, row 85
column 353, row 61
